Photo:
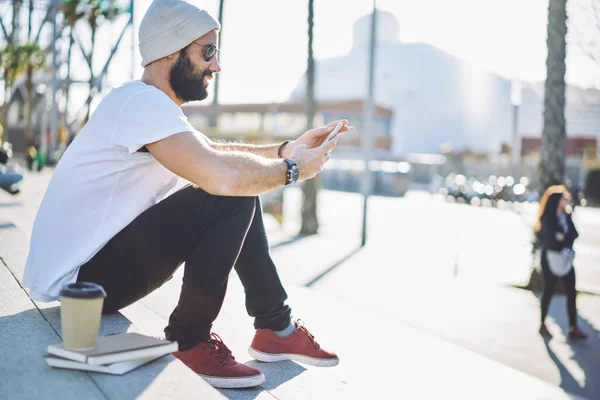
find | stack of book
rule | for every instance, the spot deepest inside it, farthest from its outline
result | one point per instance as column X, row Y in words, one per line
column 114, row 354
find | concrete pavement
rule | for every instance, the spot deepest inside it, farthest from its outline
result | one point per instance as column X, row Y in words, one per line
column 458, row 291
column 381, row 356
column 392, row 308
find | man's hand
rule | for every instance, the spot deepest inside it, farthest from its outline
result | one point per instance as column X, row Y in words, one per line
column 559, row 236
column 314, row 137
column 312, row 161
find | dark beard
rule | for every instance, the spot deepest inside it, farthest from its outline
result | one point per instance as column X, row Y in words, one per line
column 187, row 84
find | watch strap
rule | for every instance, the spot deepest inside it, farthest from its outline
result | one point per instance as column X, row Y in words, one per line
column 289, row 177
column 281, row 146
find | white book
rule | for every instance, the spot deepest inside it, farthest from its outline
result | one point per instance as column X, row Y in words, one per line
column 118, row 368
column 116, row 348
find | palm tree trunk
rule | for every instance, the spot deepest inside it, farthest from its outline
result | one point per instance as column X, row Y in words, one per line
column 68, row 87
column 4, row 119
column 28, row 105
column 310, row 189
column 14, row 35
column 554, row 136
column 9, row 69
column 89, row 99
column 29, row 82
column 29, row 17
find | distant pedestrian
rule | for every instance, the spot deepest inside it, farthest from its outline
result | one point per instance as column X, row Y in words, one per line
column 575, row 195
column 30, row 157
column 557, row 233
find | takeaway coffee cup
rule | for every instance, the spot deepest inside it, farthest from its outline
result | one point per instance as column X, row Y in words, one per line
column 80, row 312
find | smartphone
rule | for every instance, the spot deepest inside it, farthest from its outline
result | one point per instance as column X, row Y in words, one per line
column 334, row 132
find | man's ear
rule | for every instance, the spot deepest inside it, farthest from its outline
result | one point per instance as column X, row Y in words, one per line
column 172, row 55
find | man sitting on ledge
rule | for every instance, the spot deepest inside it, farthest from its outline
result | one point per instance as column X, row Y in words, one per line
column 106, row 217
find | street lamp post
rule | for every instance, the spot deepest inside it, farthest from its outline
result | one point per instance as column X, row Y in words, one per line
column 515, row 101
column 369, row 125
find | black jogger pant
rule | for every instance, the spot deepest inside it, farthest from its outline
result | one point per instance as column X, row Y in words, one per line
column 211, row 235
column 550, row 284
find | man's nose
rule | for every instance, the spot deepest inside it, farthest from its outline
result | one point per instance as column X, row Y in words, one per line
column 214, row 65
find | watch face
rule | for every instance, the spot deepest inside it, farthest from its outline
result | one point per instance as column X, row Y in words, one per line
column 292, row 173
column 295, row 173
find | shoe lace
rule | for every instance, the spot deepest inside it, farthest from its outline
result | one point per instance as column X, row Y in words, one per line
column 300, row 325
column 218, row 348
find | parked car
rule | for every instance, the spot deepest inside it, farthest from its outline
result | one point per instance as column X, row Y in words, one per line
column 474, row 191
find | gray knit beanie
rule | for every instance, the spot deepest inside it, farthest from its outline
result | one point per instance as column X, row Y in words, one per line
column 171, row 25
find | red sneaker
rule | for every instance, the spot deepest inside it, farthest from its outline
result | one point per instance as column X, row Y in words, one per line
column 577, row 334
column 300, row 346
column 212, row 360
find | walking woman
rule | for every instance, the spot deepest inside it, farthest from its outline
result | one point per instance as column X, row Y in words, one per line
column 557, row 233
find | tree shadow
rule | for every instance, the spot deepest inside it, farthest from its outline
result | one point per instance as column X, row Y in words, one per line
column 333, row 267
column 11, row 204
column 292, row 240
column 586, row 354
column 276, row 374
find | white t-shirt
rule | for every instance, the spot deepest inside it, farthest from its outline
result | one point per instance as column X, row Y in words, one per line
column 101, row 184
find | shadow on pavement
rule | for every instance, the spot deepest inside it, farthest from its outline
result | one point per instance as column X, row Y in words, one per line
column 276, row 374
column 567, row 382
column 585, row 354
column 11, row 204
column 26, row 375
column 7, row 225
column 334, row 266
column 295, row 239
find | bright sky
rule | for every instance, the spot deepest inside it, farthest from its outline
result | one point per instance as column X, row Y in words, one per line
column 264, row 41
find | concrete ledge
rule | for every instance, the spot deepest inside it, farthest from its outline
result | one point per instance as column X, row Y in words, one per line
column 27, row 328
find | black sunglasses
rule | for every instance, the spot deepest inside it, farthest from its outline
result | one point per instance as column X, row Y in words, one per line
column 210, row 51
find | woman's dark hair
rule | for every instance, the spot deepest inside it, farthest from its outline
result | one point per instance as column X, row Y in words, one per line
column 549, row 203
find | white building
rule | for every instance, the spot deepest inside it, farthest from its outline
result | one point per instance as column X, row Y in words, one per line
column 436, row 97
